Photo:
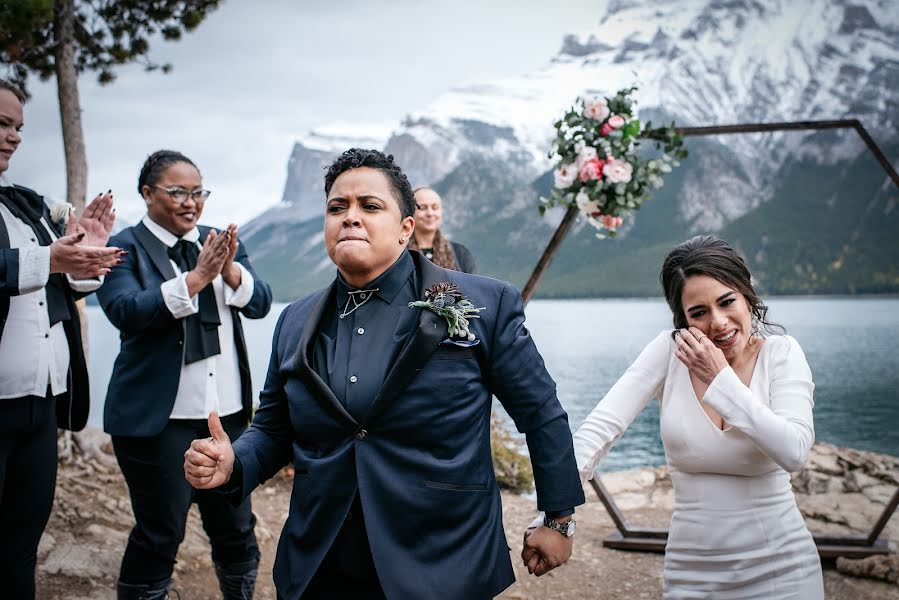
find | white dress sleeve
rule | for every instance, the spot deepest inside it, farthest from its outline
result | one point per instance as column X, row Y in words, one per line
column 642, row 382
column 784, row 431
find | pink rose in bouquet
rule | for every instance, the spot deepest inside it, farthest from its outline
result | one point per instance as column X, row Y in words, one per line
column 610, row 222
column 591, row 170
column 617, row 171
column 616, row 121
column 606, row 129
column 596, row 109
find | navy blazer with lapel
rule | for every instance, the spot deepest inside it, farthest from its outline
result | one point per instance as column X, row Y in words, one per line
column 145, row 377
column 73, row 407
column 420, row 456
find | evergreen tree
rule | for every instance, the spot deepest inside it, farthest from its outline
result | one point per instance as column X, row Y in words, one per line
column 64, row 38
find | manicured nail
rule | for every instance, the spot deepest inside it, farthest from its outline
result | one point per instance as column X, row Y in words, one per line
column 81, row 236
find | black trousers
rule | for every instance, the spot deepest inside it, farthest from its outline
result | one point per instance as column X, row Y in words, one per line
column 161, row 497
column 27, row 485
column 348, row 569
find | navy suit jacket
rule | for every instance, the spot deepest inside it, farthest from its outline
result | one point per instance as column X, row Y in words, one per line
column 420, row 457
column 145, row 377
column 73, row 406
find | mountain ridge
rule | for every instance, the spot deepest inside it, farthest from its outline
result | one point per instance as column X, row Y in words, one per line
column 483, row 147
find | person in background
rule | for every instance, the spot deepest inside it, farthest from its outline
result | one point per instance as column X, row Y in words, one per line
column 43, row 373
column 735, row 415
column 178, row 302
column 430, row 241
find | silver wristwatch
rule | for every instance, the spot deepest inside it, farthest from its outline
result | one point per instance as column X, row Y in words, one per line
column 566, row 528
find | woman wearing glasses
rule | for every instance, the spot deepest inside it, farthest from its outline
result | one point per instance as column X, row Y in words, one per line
column 177, row 301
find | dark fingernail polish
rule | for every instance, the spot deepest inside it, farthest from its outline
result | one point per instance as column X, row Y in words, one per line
column 80, row 236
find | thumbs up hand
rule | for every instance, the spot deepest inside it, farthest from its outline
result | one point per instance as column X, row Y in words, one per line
column 209, row 462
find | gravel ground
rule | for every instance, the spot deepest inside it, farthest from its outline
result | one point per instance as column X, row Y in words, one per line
column 81, row 551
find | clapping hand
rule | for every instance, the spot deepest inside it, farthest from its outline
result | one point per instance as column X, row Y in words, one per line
column 209, row 462
column 703, row 358
column 545, row 549
column 95, row 222
column 210, row 261
column 230, row 271
column 82, row 252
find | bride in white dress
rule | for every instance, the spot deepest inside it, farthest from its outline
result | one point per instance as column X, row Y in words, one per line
column 735, row 420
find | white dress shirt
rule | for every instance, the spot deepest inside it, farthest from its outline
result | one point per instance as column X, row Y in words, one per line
column 211, row 384
column 33, row 354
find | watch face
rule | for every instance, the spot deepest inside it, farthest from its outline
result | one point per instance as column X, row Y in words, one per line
column 570, row 531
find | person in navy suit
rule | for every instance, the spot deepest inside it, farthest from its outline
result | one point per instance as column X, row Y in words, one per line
column 178, row 301
column 385, row 418
column 43, row 371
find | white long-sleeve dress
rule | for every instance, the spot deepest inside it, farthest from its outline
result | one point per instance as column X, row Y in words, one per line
column 736, row 531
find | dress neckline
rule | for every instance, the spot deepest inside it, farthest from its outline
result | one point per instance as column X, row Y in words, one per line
column 698, row 402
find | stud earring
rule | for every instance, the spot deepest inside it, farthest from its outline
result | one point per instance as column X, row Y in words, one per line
column 402, row 241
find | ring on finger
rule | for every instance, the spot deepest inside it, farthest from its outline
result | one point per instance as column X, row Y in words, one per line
column 702, row 337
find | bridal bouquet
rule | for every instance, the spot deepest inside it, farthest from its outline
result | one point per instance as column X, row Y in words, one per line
column 601, row 168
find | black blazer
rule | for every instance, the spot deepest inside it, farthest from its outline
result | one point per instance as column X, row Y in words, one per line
column 420, row 457
column 464, row 257
column 72, row 409
column 145, row 377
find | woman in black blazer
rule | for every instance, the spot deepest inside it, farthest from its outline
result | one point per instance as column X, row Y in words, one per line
column 178, row 301
column 430, row 241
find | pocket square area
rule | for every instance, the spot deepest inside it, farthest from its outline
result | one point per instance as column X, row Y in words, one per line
column 462, row 343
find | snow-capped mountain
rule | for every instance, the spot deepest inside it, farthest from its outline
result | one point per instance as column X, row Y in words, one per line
column 699, row 62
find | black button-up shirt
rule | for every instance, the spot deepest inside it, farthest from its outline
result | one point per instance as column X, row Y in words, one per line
column 354, row 353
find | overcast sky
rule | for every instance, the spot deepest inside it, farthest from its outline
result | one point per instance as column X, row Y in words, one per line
column 255, row 75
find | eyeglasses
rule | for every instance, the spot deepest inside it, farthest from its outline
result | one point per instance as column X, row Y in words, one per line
column 179, row 195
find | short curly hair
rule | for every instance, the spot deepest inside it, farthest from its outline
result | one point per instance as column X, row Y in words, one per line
column 158, row 162
column 357, row 157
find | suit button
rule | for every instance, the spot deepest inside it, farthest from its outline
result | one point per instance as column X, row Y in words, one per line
column 361, row 435
column 360, row 331
column 354, row 379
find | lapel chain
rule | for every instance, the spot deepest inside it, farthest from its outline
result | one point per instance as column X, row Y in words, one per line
column 364, row 296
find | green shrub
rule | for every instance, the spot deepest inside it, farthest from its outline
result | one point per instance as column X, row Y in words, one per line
column 511, row 466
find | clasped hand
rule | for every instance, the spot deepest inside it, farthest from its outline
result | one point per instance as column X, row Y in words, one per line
column 703, row 358
column 545, row 549
column 209, row 462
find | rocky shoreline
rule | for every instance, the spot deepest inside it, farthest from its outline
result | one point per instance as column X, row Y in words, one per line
column 840, row 491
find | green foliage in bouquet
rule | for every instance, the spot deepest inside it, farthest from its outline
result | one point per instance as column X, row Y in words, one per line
column 600, row 168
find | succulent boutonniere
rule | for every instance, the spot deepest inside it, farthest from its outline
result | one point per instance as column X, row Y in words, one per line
column 445, row 300
column 60, row 213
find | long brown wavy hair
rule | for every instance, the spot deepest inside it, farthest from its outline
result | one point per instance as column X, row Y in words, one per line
column 443, row 252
